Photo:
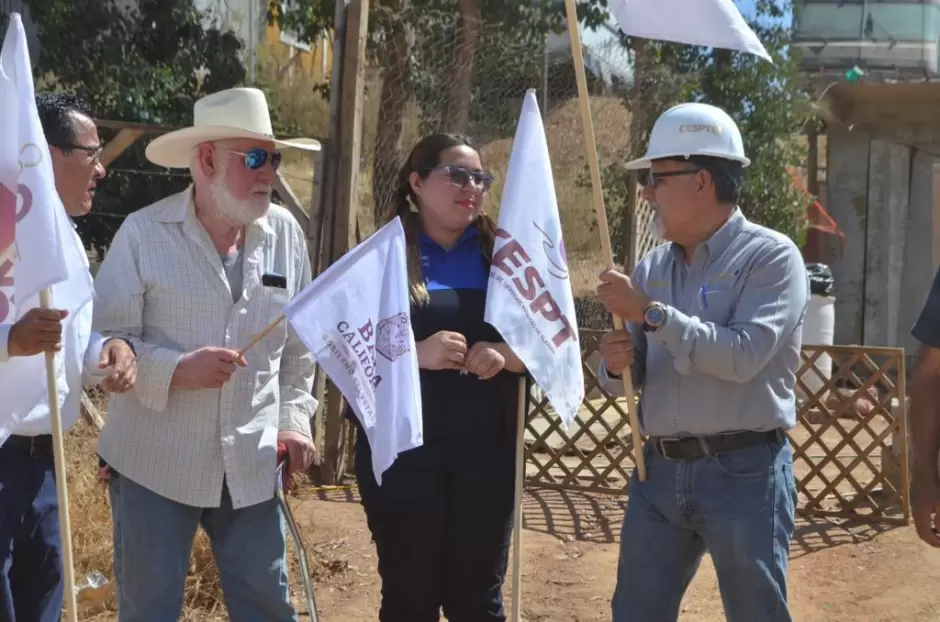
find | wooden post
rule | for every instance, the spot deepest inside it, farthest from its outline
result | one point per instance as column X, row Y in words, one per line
column 315, row 250
column 346, row 204
column 629, row 219
column 292, row 203
column 116, row 146
column 630, row 225
column 315, row 224
column 350, row 126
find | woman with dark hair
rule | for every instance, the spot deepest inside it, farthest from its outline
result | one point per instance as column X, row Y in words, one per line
column 442, row 519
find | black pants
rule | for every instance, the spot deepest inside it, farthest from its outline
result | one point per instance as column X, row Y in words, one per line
column 31, row 582
column 442, row 524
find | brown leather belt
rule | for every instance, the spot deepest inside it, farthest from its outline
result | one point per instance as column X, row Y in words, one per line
column 696, row 447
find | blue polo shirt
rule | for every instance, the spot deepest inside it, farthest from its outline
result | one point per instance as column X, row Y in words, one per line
column 459, row 408
column 460, row 267
column 462, row 414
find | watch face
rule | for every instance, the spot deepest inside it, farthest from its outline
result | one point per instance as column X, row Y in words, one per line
column 655, row 316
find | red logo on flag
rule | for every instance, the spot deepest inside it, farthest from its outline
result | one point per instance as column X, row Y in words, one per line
column 9, row 216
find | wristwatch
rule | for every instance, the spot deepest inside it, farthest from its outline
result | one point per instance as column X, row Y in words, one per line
column 654, row 316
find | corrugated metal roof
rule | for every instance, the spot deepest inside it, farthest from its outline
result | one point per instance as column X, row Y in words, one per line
column 32, row 31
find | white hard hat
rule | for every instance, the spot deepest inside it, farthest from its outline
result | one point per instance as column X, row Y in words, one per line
column 693, row 130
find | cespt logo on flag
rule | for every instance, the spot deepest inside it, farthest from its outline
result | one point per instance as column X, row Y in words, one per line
column 521, row 276
column 15, row 203
column 529, row 299
column 8, row 217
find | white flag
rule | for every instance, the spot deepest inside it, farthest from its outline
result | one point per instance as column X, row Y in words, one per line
column 37, row 239
column 356, row 320
column 709, row 23
column 529, row 299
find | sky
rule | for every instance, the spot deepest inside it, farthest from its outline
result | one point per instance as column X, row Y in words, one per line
column 748, row 8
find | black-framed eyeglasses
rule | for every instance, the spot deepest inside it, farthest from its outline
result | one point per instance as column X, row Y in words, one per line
column 461, row 176
column 652, row 180
column 256, row 157
column 92, row 150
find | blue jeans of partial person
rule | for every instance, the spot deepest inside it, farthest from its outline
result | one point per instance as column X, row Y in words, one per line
column 31, row 581
column 153, row 539
column 739, row 506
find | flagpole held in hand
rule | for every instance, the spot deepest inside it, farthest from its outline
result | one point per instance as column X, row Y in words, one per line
column 517, row 504
column 602, row 229
column 264, row 333
column 58, row 446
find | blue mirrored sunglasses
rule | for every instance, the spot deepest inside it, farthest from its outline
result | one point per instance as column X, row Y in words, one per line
column 257, row 157
column 460, row 176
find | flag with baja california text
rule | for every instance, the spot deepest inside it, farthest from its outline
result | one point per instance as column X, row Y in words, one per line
column 38, row 245
column 529, row 299
column 356, row 320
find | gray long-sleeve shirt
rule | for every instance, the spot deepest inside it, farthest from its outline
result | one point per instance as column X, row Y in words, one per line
column 727, row 356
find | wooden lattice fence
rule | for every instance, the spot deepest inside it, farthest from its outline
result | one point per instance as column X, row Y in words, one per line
column 848, row 447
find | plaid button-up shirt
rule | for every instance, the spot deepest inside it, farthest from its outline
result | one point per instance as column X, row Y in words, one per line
column 163, row 286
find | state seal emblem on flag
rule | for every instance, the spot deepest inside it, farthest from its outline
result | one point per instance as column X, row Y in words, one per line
column 392, row 336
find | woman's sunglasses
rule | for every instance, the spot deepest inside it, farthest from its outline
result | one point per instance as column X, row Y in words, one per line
column 460, row 176
column 256, row 157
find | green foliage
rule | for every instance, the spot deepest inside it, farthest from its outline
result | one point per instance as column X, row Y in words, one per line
column 148, row 65
column 766, row 101
column 311, row 18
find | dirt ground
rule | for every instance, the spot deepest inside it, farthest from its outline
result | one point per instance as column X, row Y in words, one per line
column 840, row 571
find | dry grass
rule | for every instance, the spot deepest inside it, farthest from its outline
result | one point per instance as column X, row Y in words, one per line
column 92, row 543
column 92, row 540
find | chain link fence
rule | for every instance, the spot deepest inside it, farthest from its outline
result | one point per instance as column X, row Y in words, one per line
column 444, row 71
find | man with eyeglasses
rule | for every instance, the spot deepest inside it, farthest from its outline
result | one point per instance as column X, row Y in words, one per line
column 190, row 280
column 31, row 579
column 713, row 344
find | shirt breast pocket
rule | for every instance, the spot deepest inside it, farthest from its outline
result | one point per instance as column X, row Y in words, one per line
column 717, row 305
column 266, row 308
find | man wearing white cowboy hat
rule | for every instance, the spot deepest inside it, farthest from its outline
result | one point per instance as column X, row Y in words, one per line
column 189, row 280
column 714, row 335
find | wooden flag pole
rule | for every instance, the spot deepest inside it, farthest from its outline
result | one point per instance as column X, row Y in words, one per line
column 264, row 333
column 61, row 487
column 517, row 504
column 600, row 209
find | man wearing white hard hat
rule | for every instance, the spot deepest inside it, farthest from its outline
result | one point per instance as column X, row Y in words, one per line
column 714, row 321
column 189, row 280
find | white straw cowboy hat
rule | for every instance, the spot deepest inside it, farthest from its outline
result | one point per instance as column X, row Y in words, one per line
column 232, row 113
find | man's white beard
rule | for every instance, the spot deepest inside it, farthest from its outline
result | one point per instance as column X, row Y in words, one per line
column 238, row 211
column 654, row 227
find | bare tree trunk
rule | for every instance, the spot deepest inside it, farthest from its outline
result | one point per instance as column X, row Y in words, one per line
column 457, row 116
column 637, row 123
column 394, row 99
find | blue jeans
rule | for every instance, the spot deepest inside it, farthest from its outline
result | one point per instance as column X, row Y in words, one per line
column 153, row 539
column 739, row 506
column 31, row 582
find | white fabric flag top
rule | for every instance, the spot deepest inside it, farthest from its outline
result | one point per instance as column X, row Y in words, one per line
column 38, row 245
column 709, row 23
column 529, row 299
column 356, row 320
